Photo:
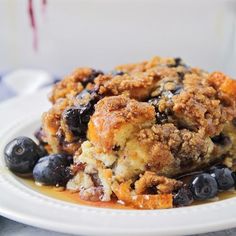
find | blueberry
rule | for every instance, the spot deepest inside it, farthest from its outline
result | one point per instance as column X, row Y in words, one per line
column 181, row 75
column 91, row 77
column 161, row 117
column 77, row 119
column 177, row 62
column 117, row 72
column 224, row 177
column 178, row 89
column 21, row 155
column 234, row 121
column 42, row 150
column 52, row 170
column 234, row 176
column 183, row 197
column 88, row 96
column 216, row 166
column 203, row 187
column 116, row 148
column 221, row 139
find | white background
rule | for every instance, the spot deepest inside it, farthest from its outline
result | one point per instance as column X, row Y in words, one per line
column 103, row 33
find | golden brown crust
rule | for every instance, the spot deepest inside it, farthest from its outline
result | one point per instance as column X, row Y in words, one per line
column 158, row 115
column 200, row 106
column 52, row 125
column 70, row 85
column 137, row 86
column 113, row 117
column 171, row 151
column 146, row 65
column 162, row 184
column 206, row 101
column 141, row 201
column 224, row 84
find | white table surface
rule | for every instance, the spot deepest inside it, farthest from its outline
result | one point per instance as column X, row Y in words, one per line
column 12, row 228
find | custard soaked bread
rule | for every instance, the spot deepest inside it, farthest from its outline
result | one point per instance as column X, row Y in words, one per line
column 134, row 130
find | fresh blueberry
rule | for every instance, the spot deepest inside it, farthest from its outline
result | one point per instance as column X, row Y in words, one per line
column 42, row 150
column 91, row 77
column 21, row 155
column 183, row 197
column 57, row 80
column 224, row 177
column 216, row 166
column 69, row 159
column 203, row 187
column 52, row 170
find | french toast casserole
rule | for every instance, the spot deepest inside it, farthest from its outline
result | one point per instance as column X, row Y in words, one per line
column 135, row 132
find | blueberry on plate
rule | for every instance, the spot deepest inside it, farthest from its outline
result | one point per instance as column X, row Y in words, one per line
column 42, row 150
column 224, row 177
column 52, row 170
column 21, row 155
column 203, row 187
column 183, row 197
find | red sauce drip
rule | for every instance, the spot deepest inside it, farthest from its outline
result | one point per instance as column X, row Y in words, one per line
column 33, row 24
column 33, row 21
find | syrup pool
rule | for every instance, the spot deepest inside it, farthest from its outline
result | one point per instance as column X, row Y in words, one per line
column 67, row 196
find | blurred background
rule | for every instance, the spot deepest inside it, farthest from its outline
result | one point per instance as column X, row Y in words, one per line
column 104, row 33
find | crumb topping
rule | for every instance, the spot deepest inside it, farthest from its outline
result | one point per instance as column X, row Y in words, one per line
column 143, row 124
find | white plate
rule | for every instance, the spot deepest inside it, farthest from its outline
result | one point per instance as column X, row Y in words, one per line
column 18, row 202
